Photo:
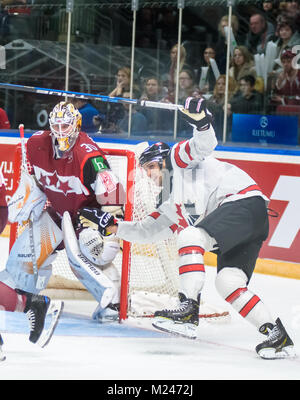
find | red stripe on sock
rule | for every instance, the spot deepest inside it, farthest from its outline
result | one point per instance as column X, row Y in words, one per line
column 233, row 296
column 191, row 268
column 190, row 250
column 249, row 306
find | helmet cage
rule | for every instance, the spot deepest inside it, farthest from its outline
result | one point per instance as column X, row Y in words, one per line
column 65, row 124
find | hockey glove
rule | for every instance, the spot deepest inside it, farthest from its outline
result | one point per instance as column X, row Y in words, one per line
column 96, row 219
column 196, row 113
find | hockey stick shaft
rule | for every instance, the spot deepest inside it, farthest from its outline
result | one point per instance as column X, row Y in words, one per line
column 31, row 237
column 89, row 96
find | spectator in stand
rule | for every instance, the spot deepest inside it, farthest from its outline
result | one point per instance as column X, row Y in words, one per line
column 242, row 63
column 88, row 112
column 139, row 124
column 218, row 96
column 288, row 36
column 169, row 79
column 123, row 82
column 158, row 120
column 4, row 121
column 216, row 102
column 261, row 31
column 207, row 80
column 247, row 100
column 287, row 86
column 270, row 9
column 187, row 83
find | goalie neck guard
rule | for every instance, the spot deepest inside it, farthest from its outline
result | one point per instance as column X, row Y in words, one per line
column 65, row 124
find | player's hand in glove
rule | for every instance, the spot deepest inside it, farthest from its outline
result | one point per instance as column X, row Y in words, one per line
column 96, row 219
column 196, row 113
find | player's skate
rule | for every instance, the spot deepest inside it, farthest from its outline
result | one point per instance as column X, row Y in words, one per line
column 2, row 355
column 37, row 309
column 108, row 314
column 181, row 321
column 278, row 344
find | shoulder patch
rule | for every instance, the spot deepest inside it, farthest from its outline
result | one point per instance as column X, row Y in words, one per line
column 99, row 164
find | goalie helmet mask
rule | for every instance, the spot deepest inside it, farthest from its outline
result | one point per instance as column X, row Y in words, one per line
column 156, row 152
column 65, row 124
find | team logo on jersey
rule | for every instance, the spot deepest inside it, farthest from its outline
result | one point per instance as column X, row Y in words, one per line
column 99, row 164
column 57, row 183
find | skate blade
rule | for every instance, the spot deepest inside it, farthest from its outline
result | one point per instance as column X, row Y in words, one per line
column 55, row 310
column 185, row 330
column 272, row 354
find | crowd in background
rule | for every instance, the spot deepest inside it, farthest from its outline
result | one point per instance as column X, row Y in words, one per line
column 274, row 25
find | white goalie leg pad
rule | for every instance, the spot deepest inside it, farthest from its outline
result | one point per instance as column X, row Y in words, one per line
column 19, row 267
column 231, row 283
column 191, row 243
column 96, row 282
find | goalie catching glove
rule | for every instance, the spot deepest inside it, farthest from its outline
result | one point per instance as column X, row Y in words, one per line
column 96, row 219
column 196, row 113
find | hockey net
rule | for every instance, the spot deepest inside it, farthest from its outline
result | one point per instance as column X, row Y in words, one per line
column 149, row 273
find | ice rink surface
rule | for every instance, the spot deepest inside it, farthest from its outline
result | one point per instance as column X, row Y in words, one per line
column 82, row 349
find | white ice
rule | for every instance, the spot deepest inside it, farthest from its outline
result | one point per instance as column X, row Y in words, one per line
column 82, row 349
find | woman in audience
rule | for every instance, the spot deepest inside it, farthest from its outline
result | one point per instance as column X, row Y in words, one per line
column 242, row 63
column 287, row 86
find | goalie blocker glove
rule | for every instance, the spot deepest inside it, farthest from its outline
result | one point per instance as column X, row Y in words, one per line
column 196, row 113
column 96, row 219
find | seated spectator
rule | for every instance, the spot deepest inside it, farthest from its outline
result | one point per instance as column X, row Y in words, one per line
column 242, row 63
column 153, row 89
column 4, row 121
column 287, row 85
column 218, row 96
column 206, row 77
column 186, row 84
column 88, row 112
column 169, row 78
column 158, row 120
column 139, row 124
column 270, row 9
column 288, row 36
column 247, row 100
column 261, row 31
column 122, row 82
column 216, row 103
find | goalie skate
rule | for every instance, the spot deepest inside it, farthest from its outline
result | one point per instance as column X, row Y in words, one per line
column 278, row 345
column 37, row 310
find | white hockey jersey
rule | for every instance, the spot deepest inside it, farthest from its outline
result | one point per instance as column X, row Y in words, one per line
column 201, row 183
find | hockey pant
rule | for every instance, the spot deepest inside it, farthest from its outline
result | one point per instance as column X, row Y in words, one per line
column 231, row 283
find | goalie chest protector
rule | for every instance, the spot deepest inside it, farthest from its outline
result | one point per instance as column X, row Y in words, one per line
column 66, row 181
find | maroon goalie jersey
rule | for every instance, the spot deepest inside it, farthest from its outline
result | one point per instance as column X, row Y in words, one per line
column 72, row 183
column 3, row 204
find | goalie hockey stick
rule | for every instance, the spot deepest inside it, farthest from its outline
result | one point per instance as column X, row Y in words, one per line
column 31, row 238
column 89, row 96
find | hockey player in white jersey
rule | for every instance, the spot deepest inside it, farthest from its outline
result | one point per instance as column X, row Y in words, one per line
column 212, row 206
